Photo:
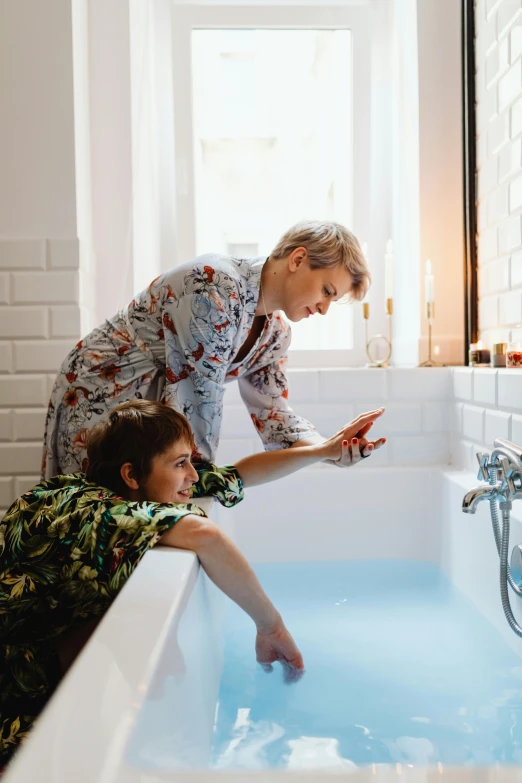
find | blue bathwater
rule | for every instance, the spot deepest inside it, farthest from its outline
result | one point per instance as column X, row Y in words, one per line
column 400, row 668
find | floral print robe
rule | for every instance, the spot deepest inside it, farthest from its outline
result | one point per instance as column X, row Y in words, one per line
column 176, row 342
column 67, row 547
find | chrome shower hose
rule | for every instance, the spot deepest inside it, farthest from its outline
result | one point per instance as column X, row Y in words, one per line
column 499, row 537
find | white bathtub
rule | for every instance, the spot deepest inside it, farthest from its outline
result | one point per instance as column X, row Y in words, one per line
column 168, row 605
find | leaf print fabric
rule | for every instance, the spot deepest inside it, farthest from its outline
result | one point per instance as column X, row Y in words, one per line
column 176, row 342
column 67, row 547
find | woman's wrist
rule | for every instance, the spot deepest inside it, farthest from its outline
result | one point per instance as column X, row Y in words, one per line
column 270, row 623
column 320, row 451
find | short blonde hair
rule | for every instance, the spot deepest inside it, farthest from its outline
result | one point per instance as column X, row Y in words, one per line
column 328, row 244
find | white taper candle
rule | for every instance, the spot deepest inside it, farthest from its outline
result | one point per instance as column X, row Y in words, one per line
column 388, row 271
column 429, row 284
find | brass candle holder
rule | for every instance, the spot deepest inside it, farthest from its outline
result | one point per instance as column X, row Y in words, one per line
column 430, row 315
column 373, row 341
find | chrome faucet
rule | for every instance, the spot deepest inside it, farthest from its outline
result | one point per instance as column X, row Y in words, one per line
column 474, row 496
column 503, row 470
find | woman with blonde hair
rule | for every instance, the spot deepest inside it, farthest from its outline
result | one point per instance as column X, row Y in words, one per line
column 198, row 327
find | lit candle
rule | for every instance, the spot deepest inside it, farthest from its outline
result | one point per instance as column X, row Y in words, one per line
column 388, row 271
column 428, row 284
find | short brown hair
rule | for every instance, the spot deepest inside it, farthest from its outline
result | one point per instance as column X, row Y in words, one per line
column 135, row 432
column 328, row 244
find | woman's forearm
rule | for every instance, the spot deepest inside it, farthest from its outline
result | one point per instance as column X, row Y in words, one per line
column 226, row 566
column 228, row 569
column 311, row 440
column 271, row 465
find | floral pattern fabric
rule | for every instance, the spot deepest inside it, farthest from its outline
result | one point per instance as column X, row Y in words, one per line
column 176, row 342
column 67, row 547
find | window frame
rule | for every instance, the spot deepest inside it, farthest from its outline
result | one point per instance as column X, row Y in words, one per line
column 317, row 15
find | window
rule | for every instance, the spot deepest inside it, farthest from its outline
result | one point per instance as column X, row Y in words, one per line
column 242, row 249
column 265, row 134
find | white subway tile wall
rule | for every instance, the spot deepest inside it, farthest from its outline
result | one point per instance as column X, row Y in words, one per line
column 463, row 383
column 65, row 321
column 415, row 384
column 6, row 491
column 358, row 384
column 44, row 356
column 5, row 293
column 330, row 414
column 436, row 417
column 433, row 416
column 510, row 389
column 428, row 450
column 485, row 386
column 6, row 425
column 39, row 323
column 497, row 424
column 499, row 158
column 473, row 423
column 63, row 254
column 28, row 424
column 418, row 405
column 477, row 421
column 22, row 254
column 516, row 428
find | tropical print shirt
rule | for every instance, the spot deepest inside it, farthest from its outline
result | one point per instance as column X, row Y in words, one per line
column 176, row 342
column 67, row 547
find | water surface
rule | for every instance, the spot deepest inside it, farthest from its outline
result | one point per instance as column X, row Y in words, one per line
column 400, row 668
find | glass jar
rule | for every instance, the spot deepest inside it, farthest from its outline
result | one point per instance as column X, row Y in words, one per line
column 514, row 355
column 478, row 356
column 498, row 355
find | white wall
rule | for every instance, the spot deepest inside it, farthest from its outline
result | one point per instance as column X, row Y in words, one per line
column 416, row 422
column 434, row 416
column 499, row 155
column 488, row 405
column 40, row 272
column 37, row 141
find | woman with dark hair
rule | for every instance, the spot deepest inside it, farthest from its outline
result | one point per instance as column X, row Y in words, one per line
column 198, row 327
column 68, row 546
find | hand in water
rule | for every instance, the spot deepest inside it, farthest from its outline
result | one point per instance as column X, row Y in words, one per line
column 278, row 645
column 290, row 673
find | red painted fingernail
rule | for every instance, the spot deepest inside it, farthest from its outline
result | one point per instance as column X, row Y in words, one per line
column 354, row 440
column 345, row 442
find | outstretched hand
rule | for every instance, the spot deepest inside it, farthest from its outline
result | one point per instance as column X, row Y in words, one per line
column 350, row 445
